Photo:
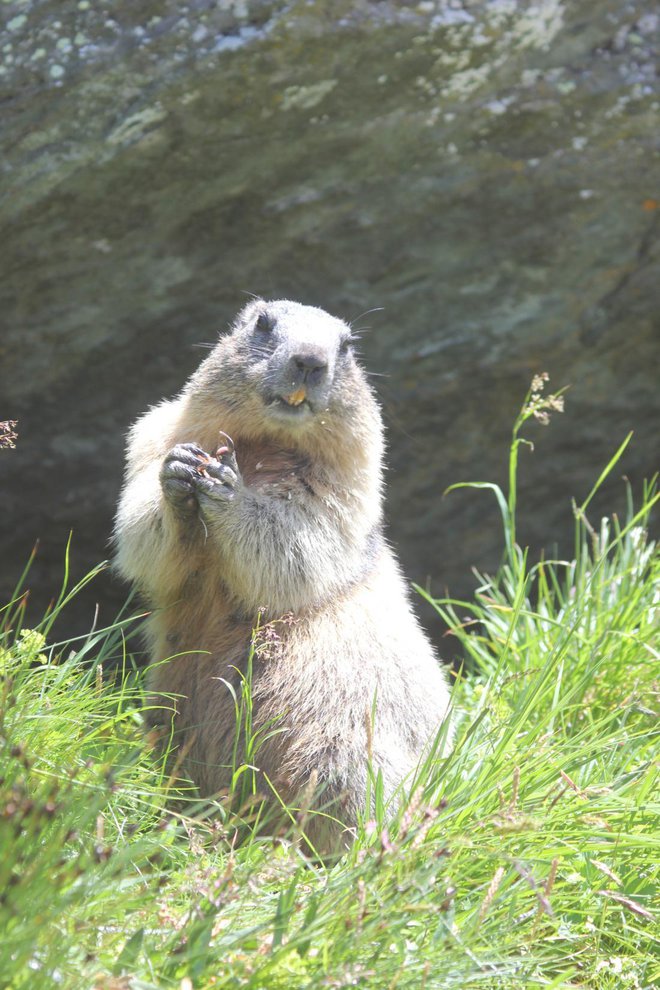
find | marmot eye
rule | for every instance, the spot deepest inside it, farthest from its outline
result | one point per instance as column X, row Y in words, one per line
column 265, row 323
column 345, row 345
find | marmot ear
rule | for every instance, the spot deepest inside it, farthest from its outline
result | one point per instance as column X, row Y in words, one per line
column 265, row 322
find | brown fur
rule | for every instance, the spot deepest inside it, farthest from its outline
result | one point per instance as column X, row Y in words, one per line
column 290, row 528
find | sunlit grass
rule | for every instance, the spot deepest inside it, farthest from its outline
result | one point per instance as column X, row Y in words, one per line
column 527, row 856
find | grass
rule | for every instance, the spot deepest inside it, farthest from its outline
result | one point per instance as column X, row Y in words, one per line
column 528, row 857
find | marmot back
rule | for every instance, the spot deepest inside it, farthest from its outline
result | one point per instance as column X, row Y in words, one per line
column 257, row 493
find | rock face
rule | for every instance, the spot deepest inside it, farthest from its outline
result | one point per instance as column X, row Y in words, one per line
column 484, row 171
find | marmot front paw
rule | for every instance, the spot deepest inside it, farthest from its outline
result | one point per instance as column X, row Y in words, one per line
column 178, row 476
column 189, row 473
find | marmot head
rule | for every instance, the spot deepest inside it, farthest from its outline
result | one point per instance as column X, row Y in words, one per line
column 288, row 370
column 298, row 358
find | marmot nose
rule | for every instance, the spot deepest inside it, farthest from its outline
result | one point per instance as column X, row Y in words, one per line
column 311, row 365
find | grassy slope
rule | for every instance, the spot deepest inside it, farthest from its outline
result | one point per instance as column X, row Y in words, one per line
column 528, row 857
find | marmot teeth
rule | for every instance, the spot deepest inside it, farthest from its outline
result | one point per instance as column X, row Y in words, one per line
column 296, row 397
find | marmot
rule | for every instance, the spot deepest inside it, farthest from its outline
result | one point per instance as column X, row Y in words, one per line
column 284, row 521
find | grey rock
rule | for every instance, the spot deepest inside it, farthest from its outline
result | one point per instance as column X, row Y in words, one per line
column 485, row 172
